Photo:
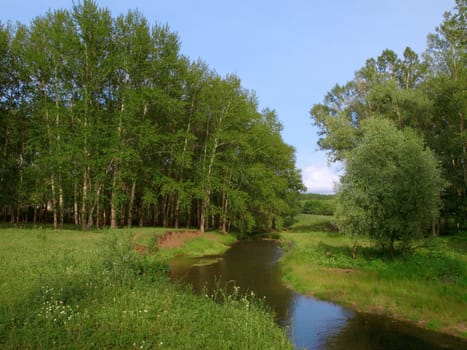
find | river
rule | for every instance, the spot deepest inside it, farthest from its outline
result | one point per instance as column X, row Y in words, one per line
column 310, row 323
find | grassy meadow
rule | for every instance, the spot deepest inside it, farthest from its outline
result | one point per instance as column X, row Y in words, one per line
column 69, row 289
column 427, row 287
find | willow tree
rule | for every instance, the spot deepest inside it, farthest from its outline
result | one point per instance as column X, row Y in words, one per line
column 391, row 188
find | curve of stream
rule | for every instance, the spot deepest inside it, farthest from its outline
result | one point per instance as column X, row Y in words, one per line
column 310, row 323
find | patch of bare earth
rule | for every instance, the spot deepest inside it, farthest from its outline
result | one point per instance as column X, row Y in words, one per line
column 172, row 239
column 177, row 239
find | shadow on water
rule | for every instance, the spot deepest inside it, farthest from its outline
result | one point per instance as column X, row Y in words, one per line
column 310, row 323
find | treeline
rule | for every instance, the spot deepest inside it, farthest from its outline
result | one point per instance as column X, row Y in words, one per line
column 317, row 204
column 426, row 94
column 104, row 123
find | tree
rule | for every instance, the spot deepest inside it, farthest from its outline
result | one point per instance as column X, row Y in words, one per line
column 427, row 95
column 104, row 122
column 446, row 57
column 391, row 189
column 385, row 86
column 14, row 130
column 9, row 133
column 270, row 177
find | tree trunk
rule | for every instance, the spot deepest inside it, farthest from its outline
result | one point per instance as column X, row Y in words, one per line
column 75, row 203
column 131, row 204
column 90, row 221
column 34, row 220
column 98, row 214
column 49, row 141
column 122, row 215
column 202, row 210
column 84, row 199
column 60, row 202
column 113, row 202
column 54, row 201
column 57, row 143
column 224, row 215
column 12, row 216
column 435, row 228
column 391, row 246
column 177, row 212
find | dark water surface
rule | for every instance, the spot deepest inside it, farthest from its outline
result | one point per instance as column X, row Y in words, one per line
column 310, row 323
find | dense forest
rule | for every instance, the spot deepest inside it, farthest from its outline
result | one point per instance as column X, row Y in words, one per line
column 424, row 98
column 103, row 122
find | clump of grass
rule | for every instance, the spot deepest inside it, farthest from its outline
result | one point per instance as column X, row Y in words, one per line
column 66, row 289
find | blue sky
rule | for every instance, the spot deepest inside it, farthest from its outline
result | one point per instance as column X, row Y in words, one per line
column 290, row 52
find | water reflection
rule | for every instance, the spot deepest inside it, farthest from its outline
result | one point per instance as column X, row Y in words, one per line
column 250, row 265
column 310, row 323
column 314, row 322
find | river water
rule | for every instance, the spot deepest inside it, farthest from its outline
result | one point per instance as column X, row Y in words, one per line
column 310, row 323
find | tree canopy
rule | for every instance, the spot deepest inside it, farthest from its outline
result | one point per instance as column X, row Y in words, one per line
column 391, row 188
column 426, row 94
column 104, row 122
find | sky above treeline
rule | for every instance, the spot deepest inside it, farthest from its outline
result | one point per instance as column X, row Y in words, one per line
column 291, row 53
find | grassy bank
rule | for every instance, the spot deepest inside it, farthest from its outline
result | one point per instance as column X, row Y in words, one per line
column 427, row 287
column 69, row 289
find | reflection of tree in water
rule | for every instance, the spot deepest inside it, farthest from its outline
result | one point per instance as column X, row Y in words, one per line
column 376, row 332
column 313, row 324
column 251, row 265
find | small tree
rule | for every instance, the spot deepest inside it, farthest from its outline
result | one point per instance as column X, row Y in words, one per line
column 391, row 189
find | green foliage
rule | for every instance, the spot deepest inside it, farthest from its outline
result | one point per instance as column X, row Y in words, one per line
column 318, row 204
column 427, row 95
column 391, row 189
column 103, row 118
column 87, row 291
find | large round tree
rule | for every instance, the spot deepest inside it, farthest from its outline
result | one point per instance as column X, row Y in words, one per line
column 391, row 189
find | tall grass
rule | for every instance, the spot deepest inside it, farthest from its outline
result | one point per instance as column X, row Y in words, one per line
column 427, row 286
column 74, row 290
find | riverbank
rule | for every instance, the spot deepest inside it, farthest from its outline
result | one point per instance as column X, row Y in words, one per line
column 72, row 289
column 189, row 243
column 426, row 288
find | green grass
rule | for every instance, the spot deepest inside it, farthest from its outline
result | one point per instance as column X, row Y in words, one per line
column 89, row 290
column 427, row 287
column 309, row 223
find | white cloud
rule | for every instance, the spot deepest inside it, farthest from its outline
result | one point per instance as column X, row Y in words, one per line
column 322, row 178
